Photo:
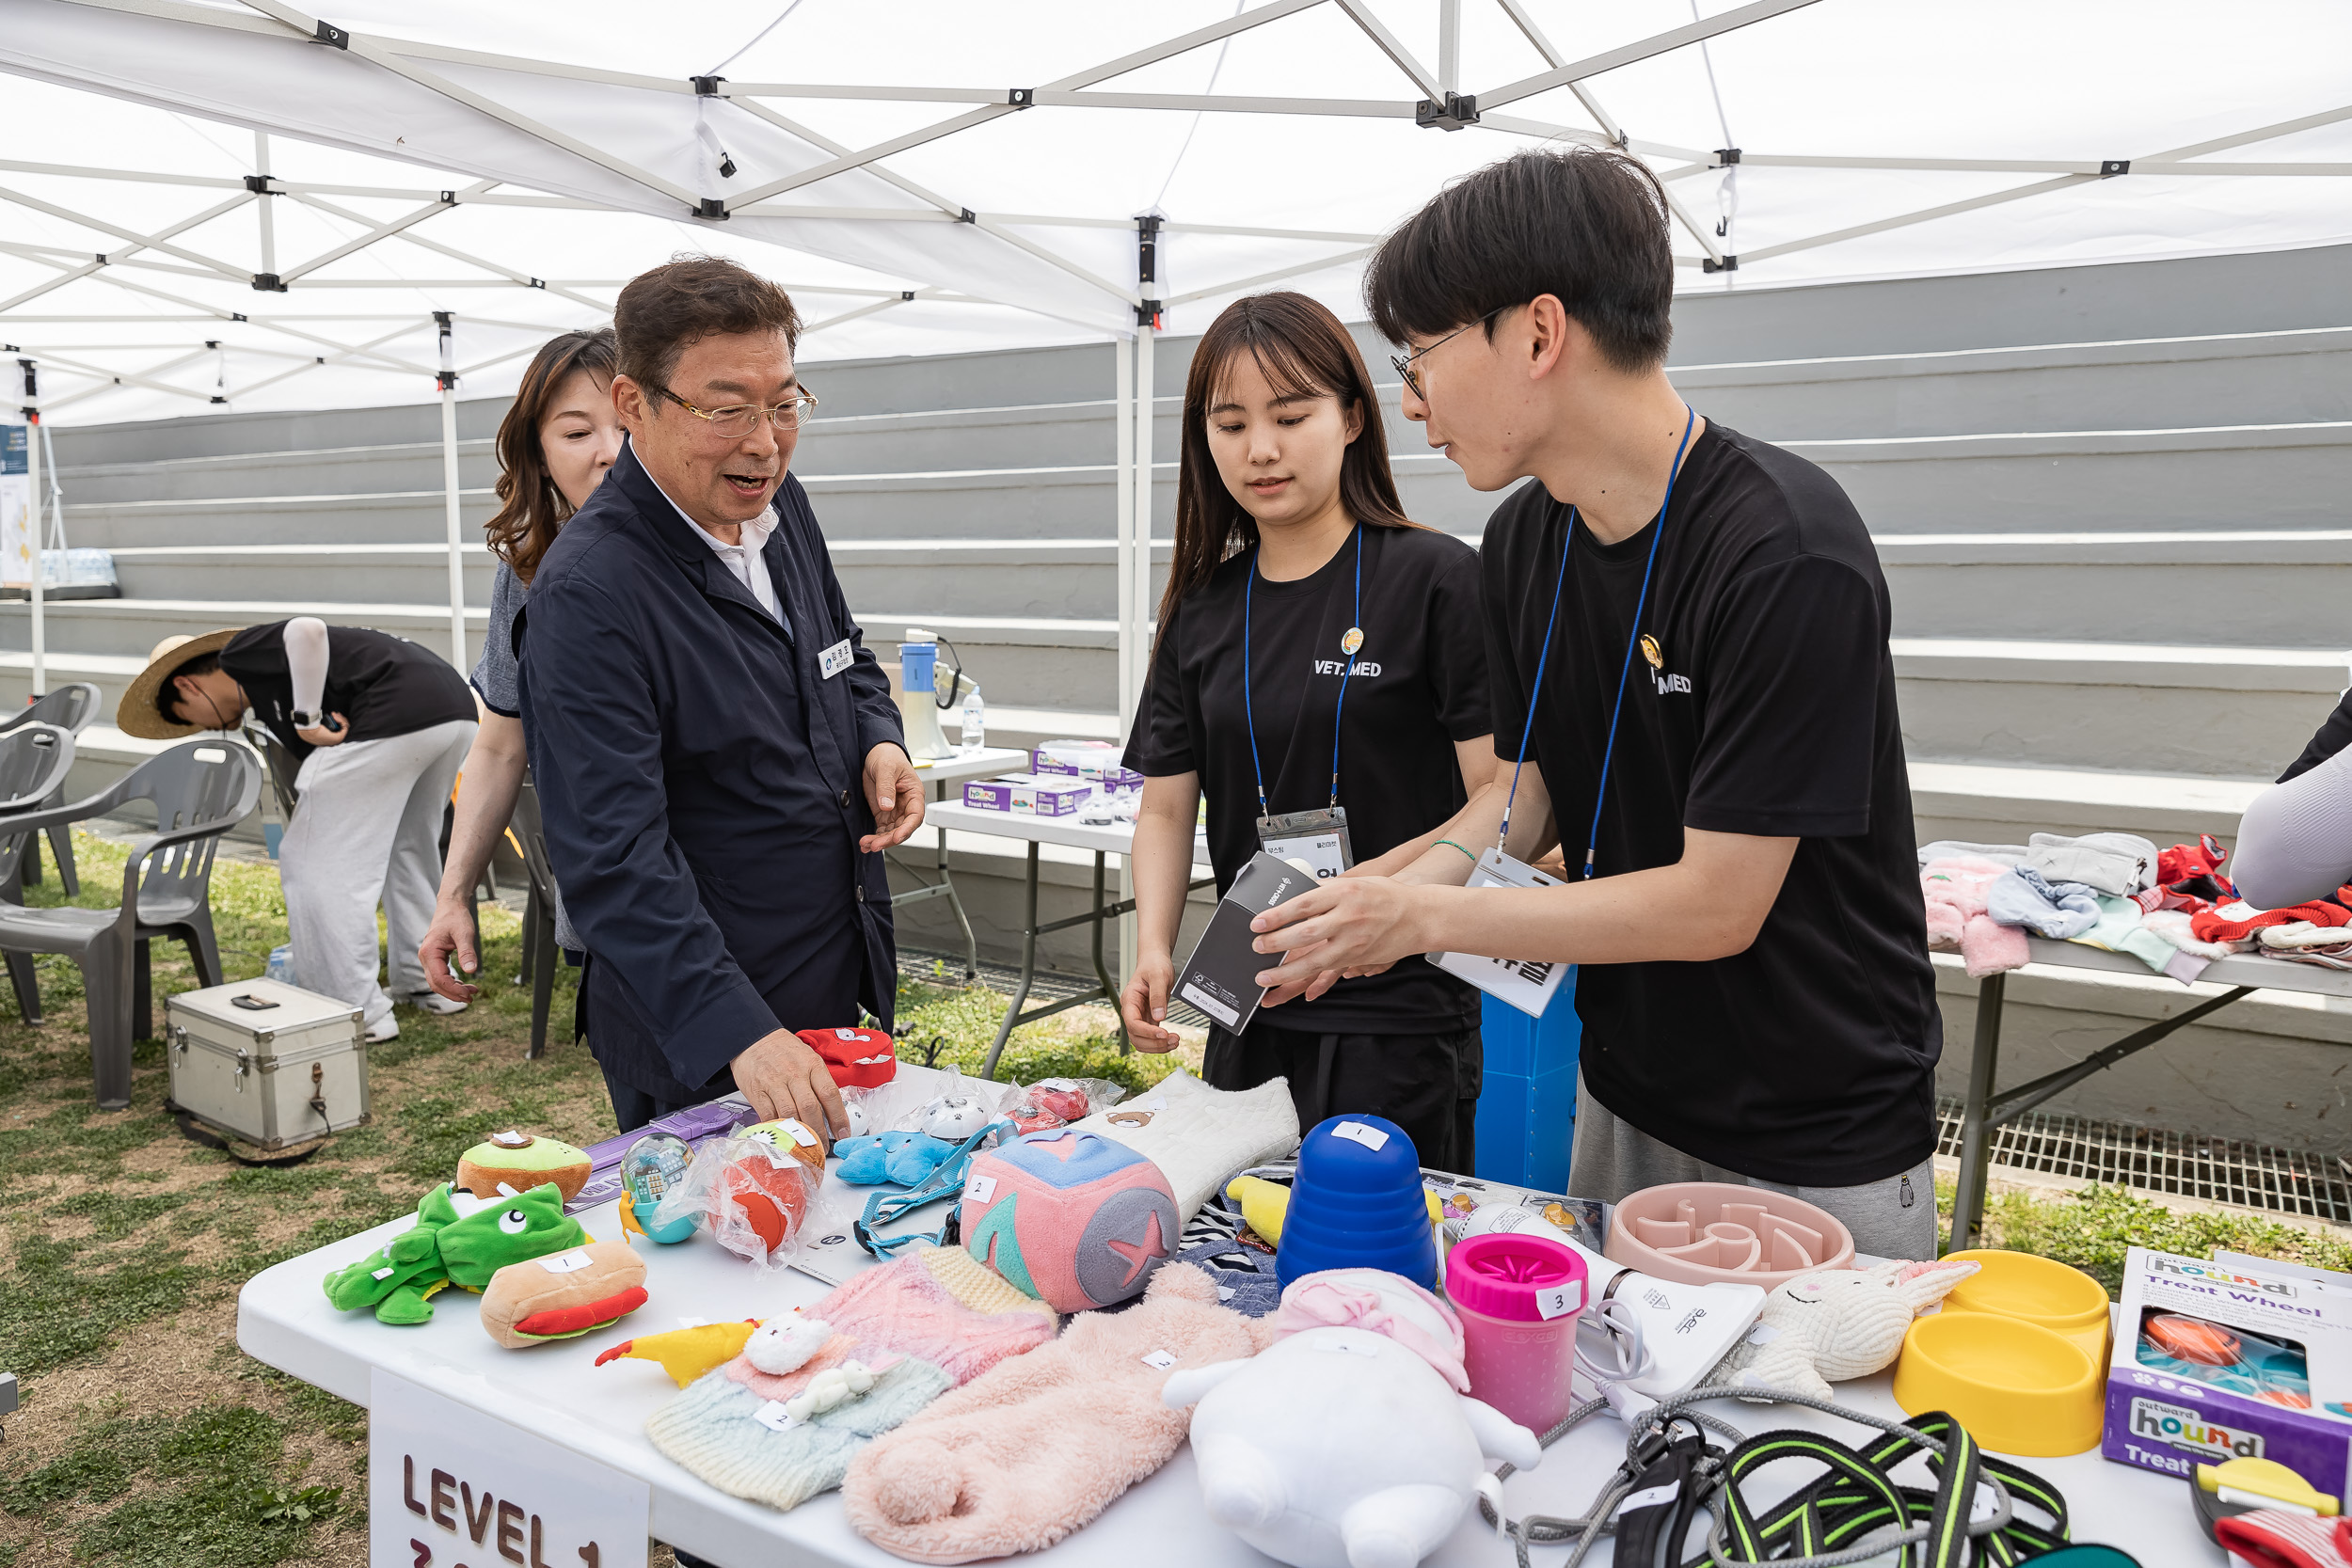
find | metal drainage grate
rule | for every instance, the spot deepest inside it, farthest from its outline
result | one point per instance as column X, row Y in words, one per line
column 2220, row 1170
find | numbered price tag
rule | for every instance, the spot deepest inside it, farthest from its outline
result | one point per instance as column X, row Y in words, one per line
column 1527, row 983
column 567, row 1262
column 1356, row 1132
column 981, row 1190
column 1158, row 1360
column 1560, row 1300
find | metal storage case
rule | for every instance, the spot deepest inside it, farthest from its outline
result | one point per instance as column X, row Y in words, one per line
column 269, row 1063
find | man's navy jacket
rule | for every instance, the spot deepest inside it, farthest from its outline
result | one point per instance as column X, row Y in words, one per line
column 701, row 786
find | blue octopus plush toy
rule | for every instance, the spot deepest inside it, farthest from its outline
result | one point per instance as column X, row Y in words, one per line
column 903, row 1158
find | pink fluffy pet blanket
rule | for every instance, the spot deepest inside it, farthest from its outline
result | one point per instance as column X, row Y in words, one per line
column 1039, row 1445
column 1954, row 889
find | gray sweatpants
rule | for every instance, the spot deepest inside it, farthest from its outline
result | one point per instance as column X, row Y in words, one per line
column 368, row 830
column 1892, row 1218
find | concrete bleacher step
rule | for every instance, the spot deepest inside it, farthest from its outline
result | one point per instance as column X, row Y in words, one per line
column 2219, row 711
column 330, row 471
column 2259, row 377
column 2283, row 475
column 2289, row 587
column 395, row 574
column 131, row 628
column 1987, row 803
column 384, row 516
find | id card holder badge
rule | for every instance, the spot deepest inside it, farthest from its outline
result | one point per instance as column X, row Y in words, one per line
column 1527, row 983
column 1316, row 841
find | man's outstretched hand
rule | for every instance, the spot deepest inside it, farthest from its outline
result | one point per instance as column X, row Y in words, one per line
column 895, row 790
column 782, row 1077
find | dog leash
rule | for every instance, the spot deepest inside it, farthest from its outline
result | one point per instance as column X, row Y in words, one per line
column 945, row 1181
column 1855, row 1511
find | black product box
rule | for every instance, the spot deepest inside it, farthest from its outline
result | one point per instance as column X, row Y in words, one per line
column 1220, row 977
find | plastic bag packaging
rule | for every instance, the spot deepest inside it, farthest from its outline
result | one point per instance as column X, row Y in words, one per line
column 961, row 1107
column 755, row 1197
column 1052, row 1103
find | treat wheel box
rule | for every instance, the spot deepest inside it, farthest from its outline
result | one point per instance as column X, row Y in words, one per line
column 600, row 1412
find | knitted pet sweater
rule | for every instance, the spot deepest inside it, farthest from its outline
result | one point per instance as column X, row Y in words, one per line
column 946, row 1315
column 1035, row 1449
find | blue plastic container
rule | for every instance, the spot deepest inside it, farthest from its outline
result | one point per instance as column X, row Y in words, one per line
column 916, row 661
column 1527, row 1100
column 1356, row 1203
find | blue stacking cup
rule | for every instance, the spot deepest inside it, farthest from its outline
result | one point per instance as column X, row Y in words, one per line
column 1356, row 1203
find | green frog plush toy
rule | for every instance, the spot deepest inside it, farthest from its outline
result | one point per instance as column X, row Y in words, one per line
column 445, row 1248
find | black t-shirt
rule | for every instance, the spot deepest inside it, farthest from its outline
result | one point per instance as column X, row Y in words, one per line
column 382, row 685
column 1810, row 1059
column 2330, row 737
column 1419, row 684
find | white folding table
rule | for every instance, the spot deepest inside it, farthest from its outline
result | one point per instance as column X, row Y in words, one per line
column 555, row 1391
column 1105, row 840
column 1987, row 1108
column 940, row 774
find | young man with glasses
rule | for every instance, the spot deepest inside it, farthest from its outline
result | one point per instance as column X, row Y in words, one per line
column 718, row 755
column 1688, row 637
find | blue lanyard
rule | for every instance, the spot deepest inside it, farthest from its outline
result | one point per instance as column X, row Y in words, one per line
column 1347, row 667
column 1609, row 751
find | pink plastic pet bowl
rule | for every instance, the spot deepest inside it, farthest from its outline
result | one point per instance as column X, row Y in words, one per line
column 1717, row 1232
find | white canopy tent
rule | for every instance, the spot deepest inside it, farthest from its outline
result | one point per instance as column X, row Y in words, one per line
column 951, row 182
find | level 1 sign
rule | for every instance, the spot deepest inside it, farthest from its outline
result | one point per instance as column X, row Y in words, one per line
column 450, row 1487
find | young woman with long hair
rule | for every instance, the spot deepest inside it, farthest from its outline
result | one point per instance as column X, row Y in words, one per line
column 557, row 439
column 1321, row 674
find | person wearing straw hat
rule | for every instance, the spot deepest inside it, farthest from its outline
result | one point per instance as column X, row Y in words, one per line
column 379, row 726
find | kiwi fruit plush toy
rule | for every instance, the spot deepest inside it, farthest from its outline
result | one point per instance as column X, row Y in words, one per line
column 505, row 1163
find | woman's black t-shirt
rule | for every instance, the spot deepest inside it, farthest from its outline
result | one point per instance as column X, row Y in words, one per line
column 382, row 685
column 1810, row 1057
column 1418, row 686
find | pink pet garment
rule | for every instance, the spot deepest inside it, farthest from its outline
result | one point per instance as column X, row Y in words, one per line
column 1954, row 887
column 1722, row 1233
column 1037, row 1448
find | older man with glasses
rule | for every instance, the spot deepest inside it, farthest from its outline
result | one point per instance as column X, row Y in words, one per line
column 719, row 759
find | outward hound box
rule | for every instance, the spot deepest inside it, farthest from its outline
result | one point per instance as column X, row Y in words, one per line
column 266, row 1062
column 1028, row 795
column 2216, row 1361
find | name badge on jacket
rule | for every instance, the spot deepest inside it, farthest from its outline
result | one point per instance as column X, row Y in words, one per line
column 835, row 659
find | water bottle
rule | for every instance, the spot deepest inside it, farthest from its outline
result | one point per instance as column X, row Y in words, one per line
column 975, row 722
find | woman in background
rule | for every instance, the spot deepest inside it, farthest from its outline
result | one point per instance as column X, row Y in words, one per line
column 557, row 441
column 1318, row 653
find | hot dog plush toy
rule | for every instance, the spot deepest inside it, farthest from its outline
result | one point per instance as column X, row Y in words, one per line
column 563, row 1294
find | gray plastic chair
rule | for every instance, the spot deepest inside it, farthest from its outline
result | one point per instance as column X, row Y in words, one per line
column 540, row 953
column 70, row 707
column 200, row 789
column 33, row 761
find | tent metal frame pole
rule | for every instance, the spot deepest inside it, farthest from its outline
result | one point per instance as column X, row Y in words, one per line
column 1123, row 443
column 32, row 467
column 265, row 213
column 446, row 325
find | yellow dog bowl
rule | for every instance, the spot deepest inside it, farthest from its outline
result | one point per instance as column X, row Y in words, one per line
column 2017, row 1386
column 2019, row 1285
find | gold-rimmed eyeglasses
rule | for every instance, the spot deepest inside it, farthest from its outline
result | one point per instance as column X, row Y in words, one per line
column 1403, row 362
column 738, row 419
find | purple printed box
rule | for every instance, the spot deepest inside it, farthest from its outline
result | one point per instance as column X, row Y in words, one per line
column 1028, row 795
column 2216, row 1361
column 695, row 1124
column 1098, row 762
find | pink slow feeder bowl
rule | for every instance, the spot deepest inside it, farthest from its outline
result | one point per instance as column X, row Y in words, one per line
column 1719, row 1233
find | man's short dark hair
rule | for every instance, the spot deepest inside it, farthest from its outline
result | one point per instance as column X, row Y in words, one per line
column 663, row 312
column 167, row 693
column 1587, row 226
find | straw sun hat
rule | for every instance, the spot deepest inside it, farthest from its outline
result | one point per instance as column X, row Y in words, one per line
column 137, row 714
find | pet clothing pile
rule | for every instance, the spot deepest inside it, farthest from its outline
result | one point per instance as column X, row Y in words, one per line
column 919, row 1326
column 1955, row 891
column 1198, row 1136
column 1038, row 1447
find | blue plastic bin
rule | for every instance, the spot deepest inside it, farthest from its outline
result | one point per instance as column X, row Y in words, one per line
column 1527, row 1102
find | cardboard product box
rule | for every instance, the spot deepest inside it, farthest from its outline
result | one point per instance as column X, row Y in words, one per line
column 2267, row 1374
column 1098, row 762
column 1218, row 978
column 1028, row 795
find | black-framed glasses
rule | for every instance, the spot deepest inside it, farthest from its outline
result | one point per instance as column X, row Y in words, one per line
column 1403, row 362
column 738, row 419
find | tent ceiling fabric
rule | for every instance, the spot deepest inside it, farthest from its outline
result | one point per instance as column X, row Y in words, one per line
column 947, row 180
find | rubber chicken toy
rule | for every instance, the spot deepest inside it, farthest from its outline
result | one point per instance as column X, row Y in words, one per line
column 686, row 1354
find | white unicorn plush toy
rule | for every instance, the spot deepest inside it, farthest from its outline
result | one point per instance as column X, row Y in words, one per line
column 1350, row 1442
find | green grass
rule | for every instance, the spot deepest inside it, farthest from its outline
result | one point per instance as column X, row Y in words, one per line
column 2092, row 1228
